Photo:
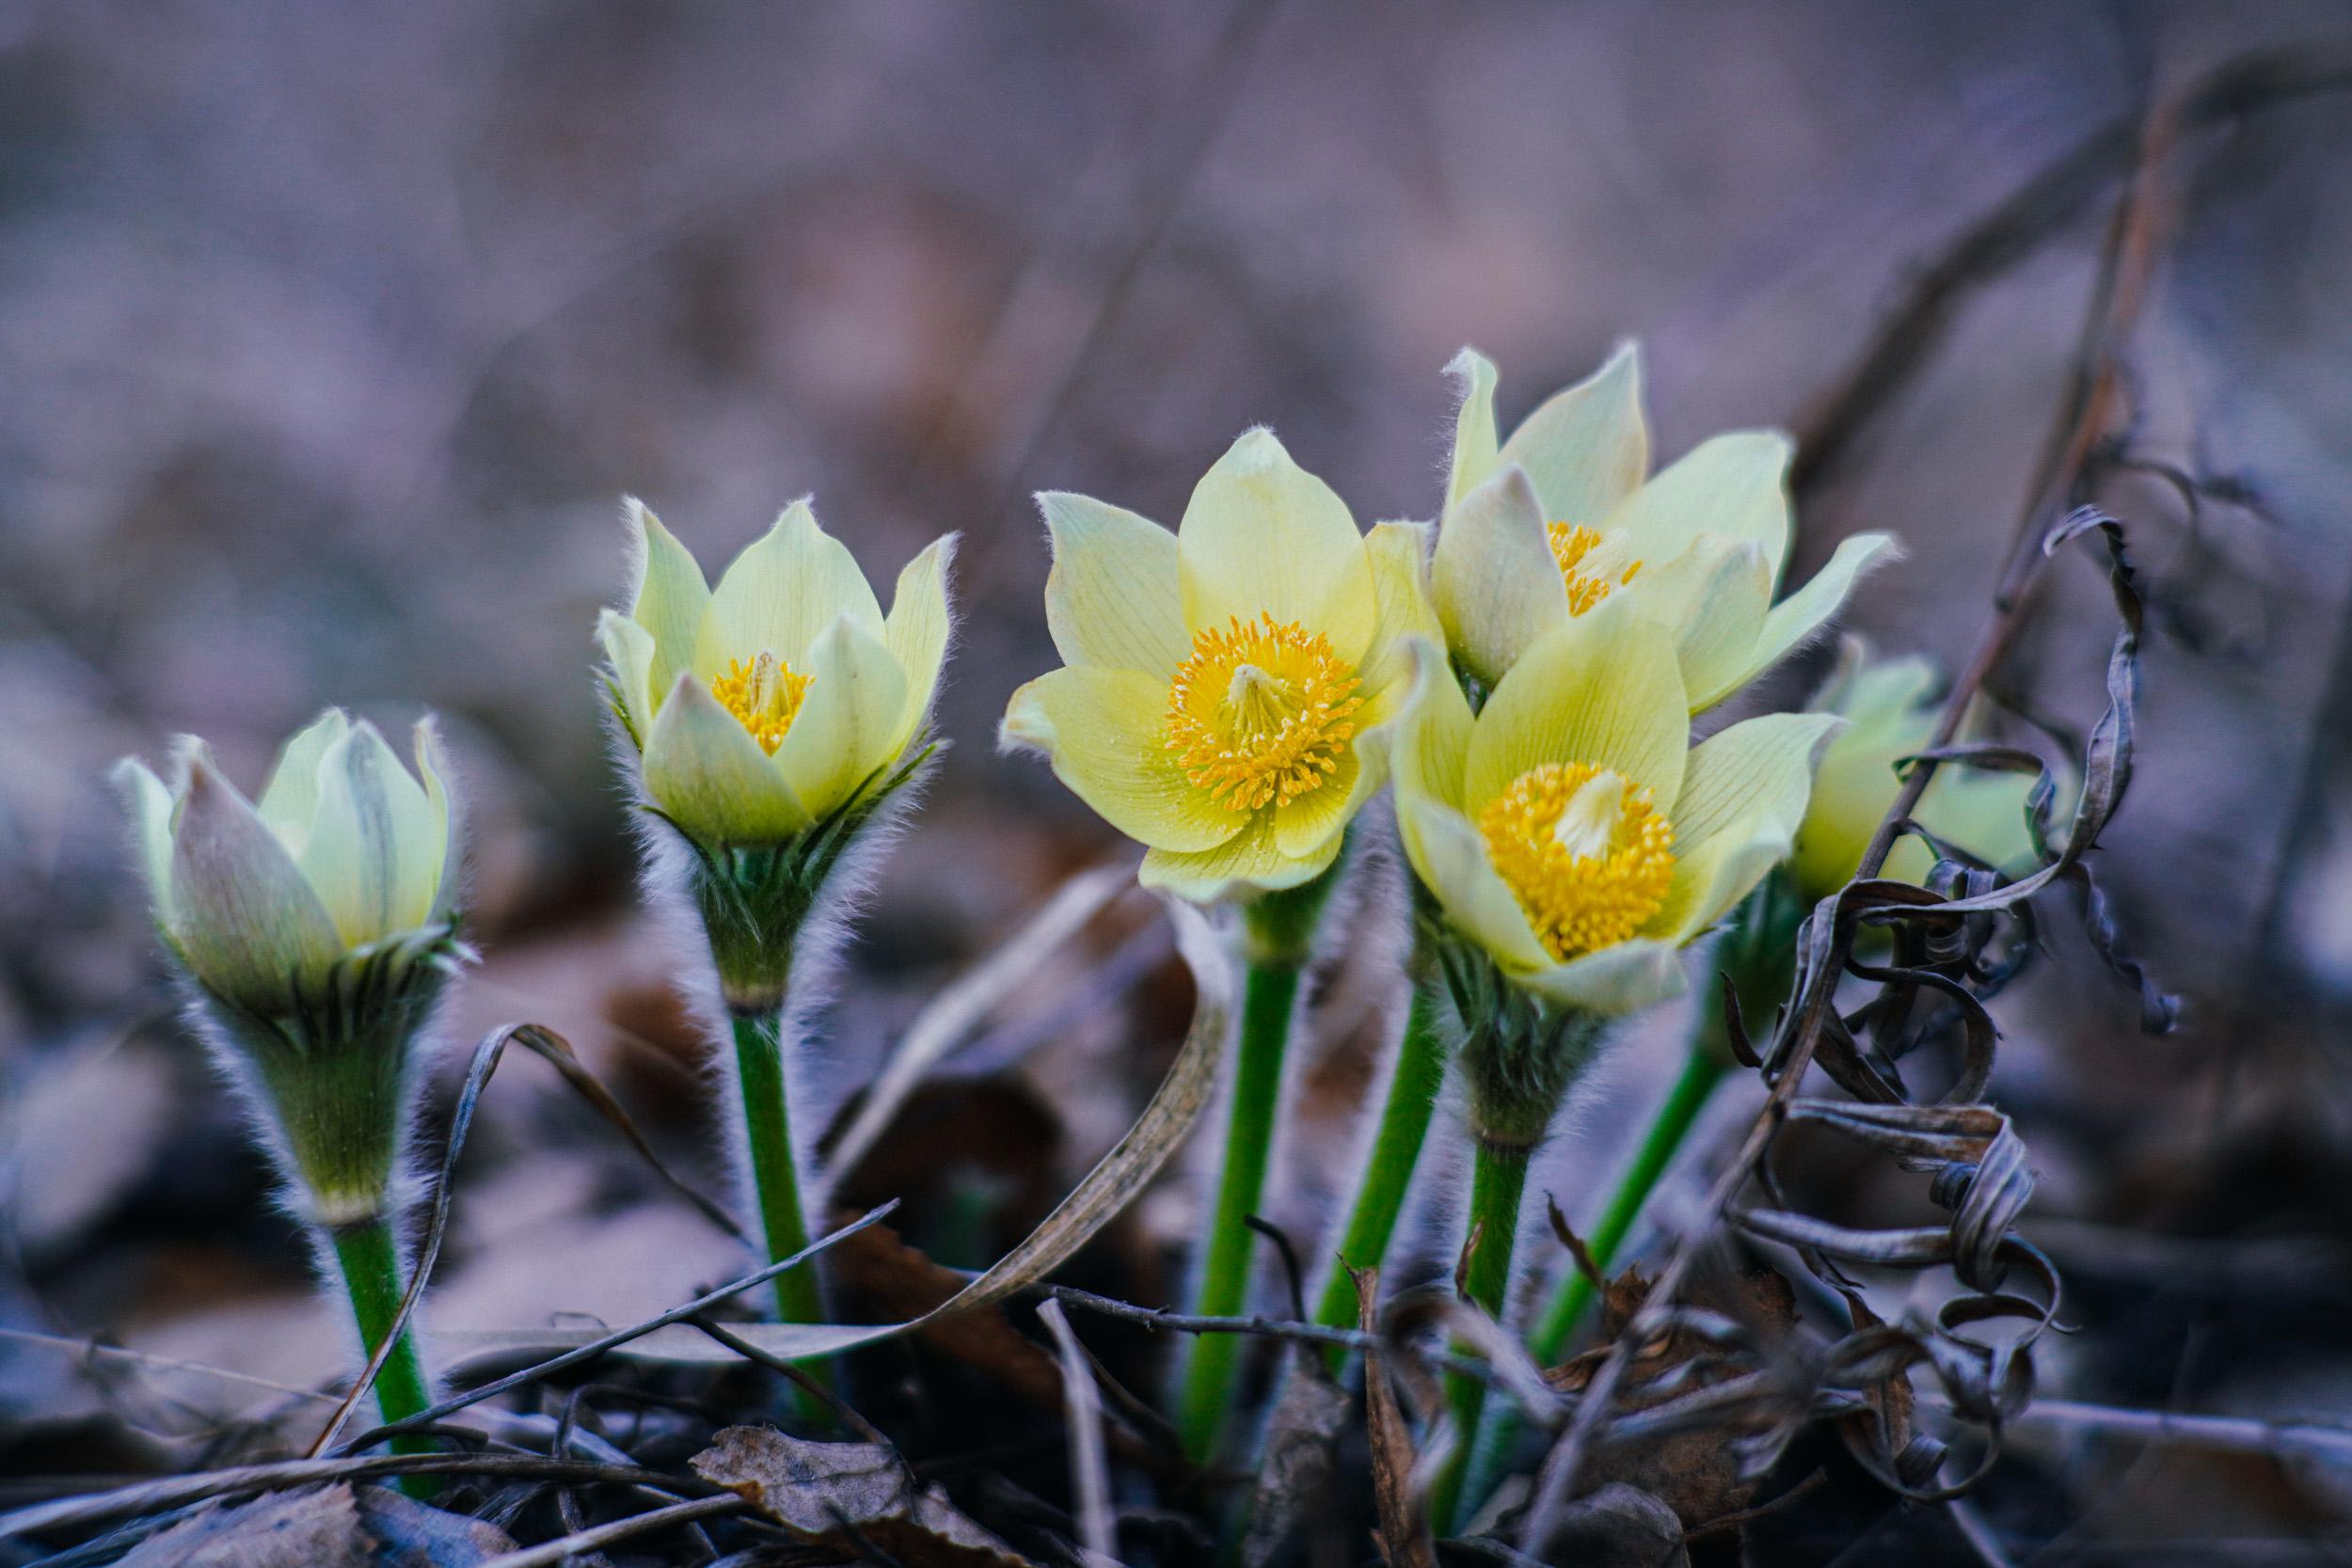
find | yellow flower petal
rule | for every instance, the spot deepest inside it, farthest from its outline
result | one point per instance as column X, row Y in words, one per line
column 1797, row 617
column 1112, row 597
column 1735, row 485
column 1263, row 536
column 629, row 650
column 150, row 827
column 1743, row 799
column 848, row 723
column 705, row 773
column 1713, row 598
column 1105, row 732
column 1324, row 813
column 1602, row 688
column 781, row 594
column 1399, row 556
column 916, row 635
column 1474, row 440
column 245, row 919
column 375, row 851
column 1450, row 856
column 1586, row 448
column 291, row 799
column 433, row 767
column 1495, row 582
column 667, row 596
column 1249, row 861
column 1431, row 748
column 1616, row 980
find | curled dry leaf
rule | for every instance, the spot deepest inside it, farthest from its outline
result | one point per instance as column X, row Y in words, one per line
column 857, row 1498
column 1403, row 1520
column 1295, row 1461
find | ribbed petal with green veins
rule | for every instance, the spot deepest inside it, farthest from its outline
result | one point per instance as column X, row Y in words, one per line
column 785, row 588
column 1451, row 859
column 1399, row 554
column 1602, row 688
column 1105, row 732
column 667, row 596
column 290, row 801
column 1263, row 536
column 631, row 651
column 916, row 635
column 1586, row 448
column 1797, row 617
column 1113, row 597
column 1618, row 979
column 433, row 767
column 1743, row 795
column 1733, row 485
column 375, row 851
column 849, row 722
column 1713, row 599
column 1249, row 859
column 706, row 774
column 1493, row 576
column 244, row 917
column 150, row 820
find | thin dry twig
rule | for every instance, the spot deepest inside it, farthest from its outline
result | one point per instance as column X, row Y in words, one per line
column 551, row 1553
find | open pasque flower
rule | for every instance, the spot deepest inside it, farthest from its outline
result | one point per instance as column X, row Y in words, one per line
column 1541, row 528
column 1572, row 832
column 1220, row 682
column 763, row 707
column 1889, row 717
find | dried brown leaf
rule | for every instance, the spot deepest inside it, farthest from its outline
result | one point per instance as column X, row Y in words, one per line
column 1404, row 1524
column 858, row 1498
column 300, row 1529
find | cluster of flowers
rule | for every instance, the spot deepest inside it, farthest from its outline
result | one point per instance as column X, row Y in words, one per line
column 1526, row 673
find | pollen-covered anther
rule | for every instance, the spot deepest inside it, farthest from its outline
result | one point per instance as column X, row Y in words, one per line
column 1571, row 543
column 1262, row 712
column 765, row 694
column 1585, row 851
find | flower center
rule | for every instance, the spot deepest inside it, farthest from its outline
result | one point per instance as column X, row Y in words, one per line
column 1585, row 852
column 1570, row 543
column 1261, row 712
column 765, row 694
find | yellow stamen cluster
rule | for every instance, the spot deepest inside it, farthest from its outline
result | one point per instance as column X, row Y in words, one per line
column 1570, row 543
column 765, row 694
column 1580, row 901
column 1260, row 714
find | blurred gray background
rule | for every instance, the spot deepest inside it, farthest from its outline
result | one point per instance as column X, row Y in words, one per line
column 331, row 336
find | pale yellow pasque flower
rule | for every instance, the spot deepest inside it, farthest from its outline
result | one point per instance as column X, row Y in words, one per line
column 1571, row 830
column 1889, row 717
column 1565, row 515
column 345, row 850
column 767, row 705
column 1221, row 681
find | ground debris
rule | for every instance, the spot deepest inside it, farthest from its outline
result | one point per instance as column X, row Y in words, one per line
column 857, row 1497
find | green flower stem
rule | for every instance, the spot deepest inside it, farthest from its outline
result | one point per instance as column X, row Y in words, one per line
column 776, row 1175
column 1269, row 995
column 1498, row 1182
column 1395, row 1151
column 1702, row 1069
column 368, row 1258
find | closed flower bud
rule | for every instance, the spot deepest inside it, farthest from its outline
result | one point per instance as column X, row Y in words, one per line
column 316, row 928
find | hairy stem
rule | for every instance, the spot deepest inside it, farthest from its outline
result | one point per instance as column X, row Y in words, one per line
column 1396, row 1145
column 1498, row 1182
column 775, row 1174
column 1269, row 996
column 368, row 1256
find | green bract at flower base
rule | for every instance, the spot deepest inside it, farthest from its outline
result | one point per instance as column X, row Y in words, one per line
column 1543, row 527
column 774, row 722
column 316, row 933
